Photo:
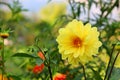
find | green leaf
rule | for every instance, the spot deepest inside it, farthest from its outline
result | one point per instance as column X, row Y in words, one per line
column 78, row 77
column 23, row 55
column 115, row 74
column 54, row 61
column 39, row 61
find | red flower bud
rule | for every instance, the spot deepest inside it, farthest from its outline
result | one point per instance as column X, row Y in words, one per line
column 59, row 76
column 40, row 54
column 38, row 68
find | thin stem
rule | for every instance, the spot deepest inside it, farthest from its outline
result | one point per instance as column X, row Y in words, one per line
column 47, row 63
column 49, row 68
column 50, row 72
column 72, row 9
column 84, row 72
column 113, row 65
column 109, row 63
column 3, row 65
column 89, row 11
column 88, row 15
column 109, row 10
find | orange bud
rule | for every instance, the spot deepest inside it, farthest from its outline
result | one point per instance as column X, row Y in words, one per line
column 40, row 54
column 59, row 76
column 38, row 68
column 4, row 35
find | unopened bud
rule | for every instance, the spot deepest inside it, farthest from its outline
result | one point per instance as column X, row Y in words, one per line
column 4, row 35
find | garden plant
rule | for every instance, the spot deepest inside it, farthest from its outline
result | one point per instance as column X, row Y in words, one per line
column 66, row 40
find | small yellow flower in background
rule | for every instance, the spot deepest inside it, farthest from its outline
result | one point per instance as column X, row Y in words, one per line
column 52, row 11
column 117, row 63
column 78, row 42
column 117, row 46
column 104, row 57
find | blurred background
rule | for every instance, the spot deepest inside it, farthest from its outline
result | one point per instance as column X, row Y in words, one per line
column 34, row 25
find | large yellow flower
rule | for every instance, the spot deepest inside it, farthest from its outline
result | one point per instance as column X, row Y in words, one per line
column 78, row 42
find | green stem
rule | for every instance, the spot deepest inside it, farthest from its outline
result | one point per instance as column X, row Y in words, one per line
column 109, row 10
column 88, row 12
column 113, row 66
column 49, row 68
column 109, row 63
column 50, row 72
column 3, row 65
column 84, row 73
column 88, row 15
column 72, row 9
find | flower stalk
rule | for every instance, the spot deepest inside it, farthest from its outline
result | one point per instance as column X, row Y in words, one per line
column 3, row 65
column 50, row 72
column 49, row 68
column 48, row 64
column 113, row 66
column 84, row 73
column 3, row 35
column 72, row 9
column 106, row 73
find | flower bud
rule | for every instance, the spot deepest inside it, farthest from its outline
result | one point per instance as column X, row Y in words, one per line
column 38, row 68
column 59, row 76
column 40, row 54
column 4, row 35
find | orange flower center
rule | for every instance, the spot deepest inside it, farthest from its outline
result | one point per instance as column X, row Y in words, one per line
column 77, row 42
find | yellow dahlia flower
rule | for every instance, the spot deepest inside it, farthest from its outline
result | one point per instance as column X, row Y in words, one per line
column 78, row 42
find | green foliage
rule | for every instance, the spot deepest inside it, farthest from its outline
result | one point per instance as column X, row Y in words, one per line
column 29, row 36
column 23, row 55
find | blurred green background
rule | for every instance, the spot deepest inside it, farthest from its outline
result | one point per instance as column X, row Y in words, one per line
column 34, row 25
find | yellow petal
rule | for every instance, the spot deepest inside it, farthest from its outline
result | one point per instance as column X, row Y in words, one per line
column 79, row 52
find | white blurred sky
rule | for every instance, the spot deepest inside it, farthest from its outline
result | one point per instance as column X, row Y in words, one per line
column 34, row 7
